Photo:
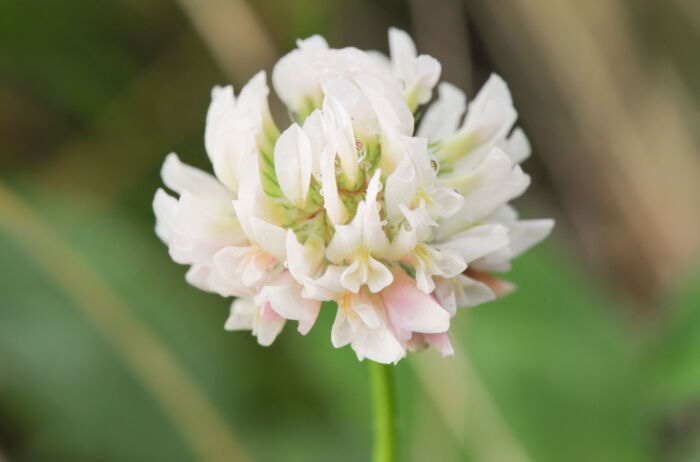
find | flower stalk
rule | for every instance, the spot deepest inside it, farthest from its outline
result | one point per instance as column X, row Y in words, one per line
column 384, row 411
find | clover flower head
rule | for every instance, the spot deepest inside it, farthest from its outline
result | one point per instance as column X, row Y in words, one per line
column 351, row 203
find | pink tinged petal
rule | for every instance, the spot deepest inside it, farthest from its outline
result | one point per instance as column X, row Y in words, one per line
column 284, row 297
column 498, row 286
column 441, row 342
column 293, row 164
column 412, row 310
column 269, row 325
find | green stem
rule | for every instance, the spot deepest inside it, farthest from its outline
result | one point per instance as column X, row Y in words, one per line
column 384, row 406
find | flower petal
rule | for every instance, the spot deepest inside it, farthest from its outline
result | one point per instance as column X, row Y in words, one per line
column 411, row 310
column 181, row 177
column 293, row 164
column 242, row 315
column 284, row 296
column 443, row 116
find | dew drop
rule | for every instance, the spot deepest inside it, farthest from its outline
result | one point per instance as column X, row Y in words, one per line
column 434, row 165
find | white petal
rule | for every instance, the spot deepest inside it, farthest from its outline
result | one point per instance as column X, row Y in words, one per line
column 165, row 209
column 242, row 315
column 221, row 136
column 340, row 137
column 293, row 164
column 426, row 74
column 477, row 241
column 368, row 314
column 495, row 89
column 284, row 296
column 401, row 46
column 472, row 292
column 527, row 233
column 181, row 177
column 517, row 146
column 269, row 325
column 492, row 184
column 357, row 105
column 304, row 260
column 401, row 187
column 335, row 208
column 379, row 276
column 379, row 345
column 346, row 239
column 270, row 237
column 199, row 277
column 354, row 276
column 238, row 271
column 296, row 77
column 443, row 116
column 373, row 236
column 327, row 287
column 314, row 129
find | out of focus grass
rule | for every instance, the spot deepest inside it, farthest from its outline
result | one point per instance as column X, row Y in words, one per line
column 92, row 96
column 571, row 380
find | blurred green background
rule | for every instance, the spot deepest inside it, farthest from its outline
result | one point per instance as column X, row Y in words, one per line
column 106, row 354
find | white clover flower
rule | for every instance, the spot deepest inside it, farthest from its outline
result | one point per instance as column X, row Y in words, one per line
column 348, row 204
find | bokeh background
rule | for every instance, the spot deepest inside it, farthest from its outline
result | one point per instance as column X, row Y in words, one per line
column 106, row 354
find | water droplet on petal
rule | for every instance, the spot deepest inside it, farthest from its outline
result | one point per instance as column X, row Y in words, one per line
column 434, row 165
